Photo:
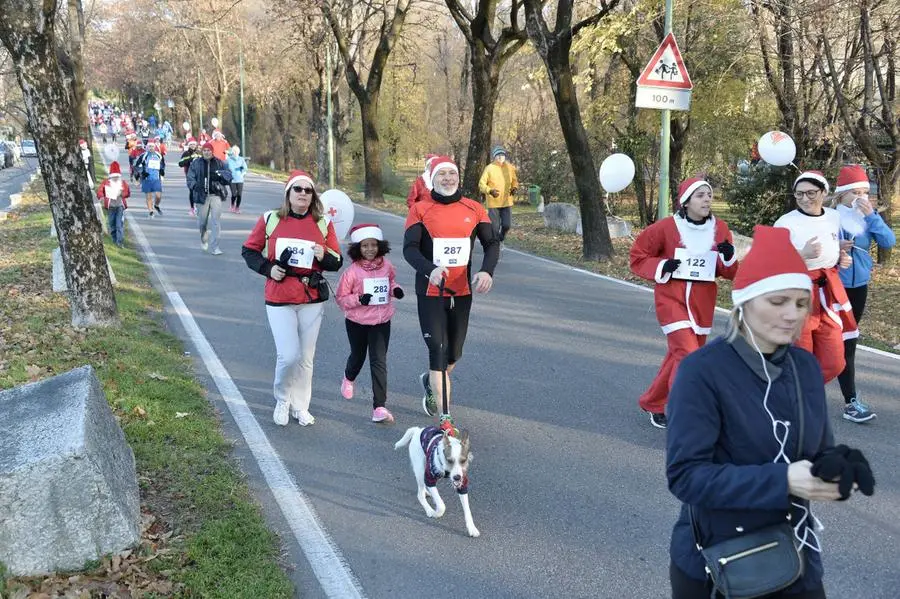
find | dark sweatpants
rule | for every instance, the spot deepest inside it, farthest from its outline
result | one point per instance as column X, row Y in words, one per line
column 847, row 379
column 374, row 339
column 684, row 587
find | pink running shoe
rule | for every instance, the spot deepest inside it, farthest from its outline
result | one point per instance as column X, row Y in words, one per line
column 193, row 212
column 347, row 388
column 382, row 415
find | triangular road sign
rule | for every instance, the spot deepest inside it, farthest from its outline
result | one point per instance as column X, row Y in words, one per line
column 666, row 68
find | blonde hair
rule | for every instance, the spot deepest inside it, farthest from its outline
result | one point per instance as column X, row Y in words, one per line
column 736, row 325
column 834, row 200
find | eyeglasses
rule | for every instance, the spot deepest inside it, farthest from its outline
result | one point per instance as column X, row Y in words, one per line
column 300, row 189
column 809, row 193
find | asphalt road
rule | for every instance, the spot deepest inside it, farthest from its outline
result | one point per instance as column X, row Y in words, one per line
column 567, row 483
column 12, row 179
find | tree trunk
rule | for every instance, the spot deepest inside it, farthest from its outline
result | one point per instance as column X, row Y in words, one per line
column 319, row 124
column 80, row 103
column 485, row 77
column 889, row 192
column 597, row 244
column 371, row 149
column 677, row 142
column 49, row 105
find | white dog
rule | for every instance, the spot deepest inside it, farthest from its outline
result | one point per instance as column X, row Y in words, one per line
column 438, row 455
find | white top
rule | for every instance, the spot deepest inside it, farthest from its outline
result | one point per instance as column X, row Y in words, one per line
column 826, row 228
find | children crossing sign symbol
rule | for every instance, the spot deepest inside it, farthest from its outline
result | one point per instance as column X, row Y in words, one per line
column 665, row 83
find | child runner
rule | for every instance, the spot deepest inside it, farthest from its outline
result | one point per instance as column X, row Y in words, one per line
column 364, row 294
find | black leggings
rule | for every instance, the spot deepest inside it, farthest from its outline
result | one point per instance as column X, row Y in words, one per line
column 237, row 189
column 444, row 322
column 685, row 587
column 847, row 379
column 374, row 339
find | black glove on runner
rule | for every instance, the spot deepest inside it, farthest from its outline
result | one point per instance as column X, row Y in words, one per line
column 284, row 258
column 726, row 249
column 398, row 293
column 844, row 466
column 671, row 265
column 365, row 298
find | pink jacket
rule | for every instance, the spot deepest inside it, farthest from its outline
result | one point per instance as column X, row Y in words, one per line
column 352, row 285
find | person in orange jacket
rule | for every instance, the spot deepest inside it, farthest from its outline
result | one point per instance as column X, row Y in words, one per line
column 114, row 194
column 683, row 254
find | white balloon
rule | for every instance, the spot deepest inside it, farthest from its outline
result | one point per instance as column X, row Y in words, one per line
column 616, row 172
column 214, row 122
column 338, row 210
column 777, row 148
column 110, row 152
column 186, row 126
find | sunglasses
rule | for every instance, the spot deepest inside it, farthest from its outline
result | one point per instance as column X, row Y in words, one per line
column 301, row 189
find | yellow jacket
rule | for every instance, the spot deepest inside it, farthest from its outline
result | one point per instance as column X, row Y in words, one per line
column 501, row 177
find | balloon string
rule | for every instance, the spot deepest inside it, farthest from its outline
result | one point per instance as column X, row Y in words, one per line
column 796, row 167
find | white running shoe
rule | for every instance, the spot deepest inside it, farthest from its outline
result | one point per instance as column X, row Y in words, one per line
column 303, row 417
column 280, row 416
column 217, row 252
column 204, row 246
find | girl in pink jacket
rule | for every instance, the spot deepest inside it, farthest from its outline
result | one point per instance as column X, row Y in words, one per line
column 365, row 294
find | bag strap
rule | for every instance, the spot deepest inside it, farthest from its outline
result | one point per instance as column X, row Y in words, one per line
column 271, row 223
column 801, row 425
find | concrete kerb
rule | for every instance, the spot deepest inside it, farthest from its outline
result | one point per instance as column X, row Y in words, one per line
column 635, row 285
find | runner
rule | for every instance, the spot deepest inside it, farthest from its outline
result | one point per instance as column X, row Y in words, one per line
column 815, row 232
column 187, row 157
column 499, row 184
column 860, row 226
column 683, row 254
column 421, row 187
column 237, row 164
column 151, row 169
column 440, row 235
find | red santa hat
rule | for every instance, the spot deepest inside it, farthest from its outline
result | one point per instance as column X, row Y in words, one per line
column 852, row 176
column 208, row 146
column 191, row 140
column 816, row 176
column 298, row 176
column 115, row 169
column 366, row 231
column 82, row 143
column 772, row 264
column 688, row 187
column 438, row 163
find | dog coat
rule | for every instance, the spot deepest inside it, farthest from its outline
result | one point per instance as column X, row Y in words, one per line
column 430, row 438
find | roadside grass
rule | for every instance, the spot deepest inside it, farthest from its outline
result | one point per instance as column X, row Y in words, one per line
column 203, row 536
column 880, row 327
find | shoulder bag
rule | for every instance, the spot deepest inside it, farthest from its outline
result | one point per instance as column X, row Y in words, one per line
column 761, row 562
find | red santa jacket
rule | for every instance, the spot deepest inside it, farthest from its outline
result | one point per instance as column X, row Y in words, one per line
column 417, row 192
column 105, row 190
column 681, row 304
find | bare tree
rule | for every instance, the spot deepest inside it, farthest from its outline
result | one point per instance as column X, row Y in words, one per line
column 488, row 53
column 554, row 46
column 28, row 31
column 368, row 93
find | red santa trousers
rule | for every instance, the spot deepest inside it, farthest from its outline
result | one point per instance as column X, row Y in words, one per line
column 830, row 321
column 681, row 343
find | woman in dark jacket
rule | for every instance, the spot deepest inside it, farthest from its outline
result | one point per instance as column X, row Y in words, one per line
column 732, row 444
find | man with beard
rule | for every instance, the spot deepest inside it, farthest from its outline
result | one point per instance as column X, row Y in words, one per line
column 440, row 236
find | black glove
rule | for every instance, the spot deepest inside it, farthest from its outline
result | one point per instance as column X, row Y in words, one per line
column 514, row 190
column 671, row 265
column 726, row 249
column 284, row 258
column 398, row 293
column 844, row 466
column 365, row 298
column 495, row 193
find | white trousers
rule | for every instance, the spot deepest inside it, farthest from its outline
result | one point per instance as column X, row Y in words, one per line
column 295, row 330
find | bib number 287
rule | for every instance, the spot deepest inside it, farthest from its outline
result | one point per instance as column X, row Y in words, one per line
column 451, row 252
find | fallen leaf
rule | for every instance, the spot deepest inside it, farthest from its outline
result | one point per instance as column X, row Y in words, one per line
column 33, row 370
column 158, row 376
column 139, row 411
column 181, row 414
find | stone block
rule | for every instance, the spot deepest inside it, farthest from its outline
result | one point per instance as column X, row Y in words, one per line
column 15, row 199
column 742, row 245
column 618, row 227
column 68, row 485
column 59, row 273
column 104, row 224
column 562, row 217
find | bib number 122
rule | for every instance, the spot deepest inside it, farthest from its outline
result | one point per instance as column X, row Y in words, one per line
column 696, row 262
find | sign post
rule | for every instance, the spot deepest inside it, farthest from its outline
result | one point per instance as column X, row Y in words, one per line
column 665, row 85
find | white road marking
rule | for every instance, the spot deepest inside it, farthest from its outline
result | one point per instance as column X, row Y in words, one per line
column 626, row 283
column 328, row 565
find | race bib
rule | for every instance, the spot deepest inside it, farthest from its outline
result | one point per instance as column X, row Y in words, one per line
column 451, row 251
column 696, row 267
column 302, row 256
column 378, row 288
column 153, row 164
